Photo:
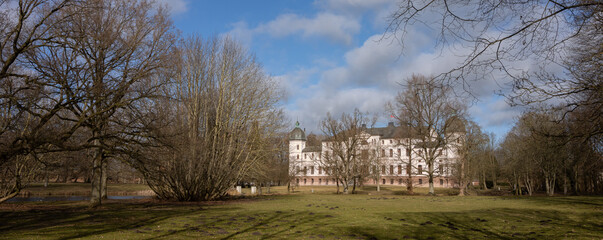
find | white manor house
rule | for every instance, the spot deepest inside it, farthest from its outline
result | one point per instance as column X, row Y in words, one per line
column 392, row 157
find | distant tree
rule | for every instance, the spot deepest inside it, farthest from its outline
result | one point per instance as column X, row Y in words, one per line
column 429, row 108
column 343, row 140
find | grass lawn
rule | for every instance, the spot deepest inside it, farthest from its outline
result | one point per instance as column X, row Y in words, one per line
column 318, row 215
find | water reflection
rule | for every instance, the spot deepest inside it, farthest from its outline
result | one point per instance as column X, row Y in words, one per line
column 69, row 198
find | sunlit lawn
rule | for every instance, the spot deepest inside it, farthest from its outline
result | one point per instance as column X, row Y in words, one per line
column 318, row 215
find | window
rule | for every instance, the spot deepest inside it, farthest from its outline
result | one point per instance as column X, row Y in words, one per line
column 390, row 141
column 399, row 152
column 320, row 181
column 305, row 156
column 312, row 156
column 391, row 169
column 383, row 152
column 312, row 181
column 420, row 181
column 312, row 171
column 383, row 142
column 420, row 169
column 391, row 181
column 441, row 169
column 319, row 170
column 297, row 170
column 305, row 172
column 305, row 181
column 383, row 181
column 400, row 181
column 399, row 169
column 327, row 181
column 297, row 147
column 297, row 181
column 441, row 182
column 297, row 156
column 391, row 153
column 383, row 170
column 408, row 152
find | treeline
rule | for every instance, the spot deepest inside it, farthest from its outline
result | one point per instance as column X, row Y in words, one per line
column 543, row 153
column 88, row 83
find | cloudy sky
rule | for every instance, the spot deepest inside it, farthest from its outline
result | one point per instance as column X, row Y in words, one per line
column 332, row 56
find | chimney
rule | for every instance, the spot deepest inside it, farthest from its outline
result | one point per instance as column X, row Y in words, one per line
column 364, row 125
column 390, row 124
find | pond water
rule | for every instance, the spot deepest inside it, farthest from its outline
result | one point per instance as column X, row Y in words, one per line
column 69, row 198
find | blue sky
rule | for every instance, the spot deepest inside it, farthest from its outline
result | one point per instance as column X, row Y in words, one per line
column 331, row 55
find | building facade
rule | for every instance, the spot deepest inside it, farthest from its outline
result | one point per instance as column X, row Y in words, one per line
column 391, row 158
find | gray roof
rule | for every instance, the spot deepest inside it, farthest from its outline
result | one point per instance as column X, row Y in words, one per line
column 312, row 149
column 390, row 131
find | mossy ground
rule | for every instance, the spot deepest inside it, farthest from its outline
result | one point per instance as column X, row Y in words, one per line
column 318, row 215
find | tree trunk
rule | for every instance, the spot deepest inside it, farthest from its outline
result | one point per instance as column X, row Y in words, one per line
column 430, row 175
column 564, row 184
column 462, row 180
column 103, row 186
column 7, row 197
column 345, row 186
column 354, row 187
column 45, row 176
column 337, row 181
column 95, row 197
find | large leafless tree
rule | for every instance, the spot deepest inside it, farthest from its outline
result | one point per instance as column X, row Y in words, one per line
column 220, row 125
column 430, row 109
column 105, row 58
column 343, row 147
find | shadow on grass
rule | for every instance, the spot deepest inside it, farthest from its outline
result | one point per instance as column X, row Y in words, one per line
column 68, row 221
column 490, row 224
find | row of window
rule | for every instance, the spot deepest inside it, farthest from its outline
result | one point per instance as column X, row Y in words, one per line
column 383, row 168
column 365, row 153
column 382, row 181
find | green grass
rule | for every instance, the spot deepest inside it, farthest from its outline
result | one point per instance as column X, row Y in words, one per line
column 321, row 215
column 83, row 189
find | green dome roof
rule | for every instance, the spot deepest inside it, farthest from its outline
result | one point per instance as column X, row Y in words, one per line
column 297, row 133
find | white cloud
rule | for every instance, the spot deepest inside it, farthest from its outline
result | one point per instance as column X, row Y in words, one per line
column 175, row 6
column 337, row 28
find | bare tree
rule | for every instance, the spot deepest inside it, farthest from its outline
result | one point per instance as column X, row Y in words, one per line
column 103, row 51
column 428, row 107
column 342, row 147
column 28, row 106
column 220, row 127
column 500, row 35
column 471, row 149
